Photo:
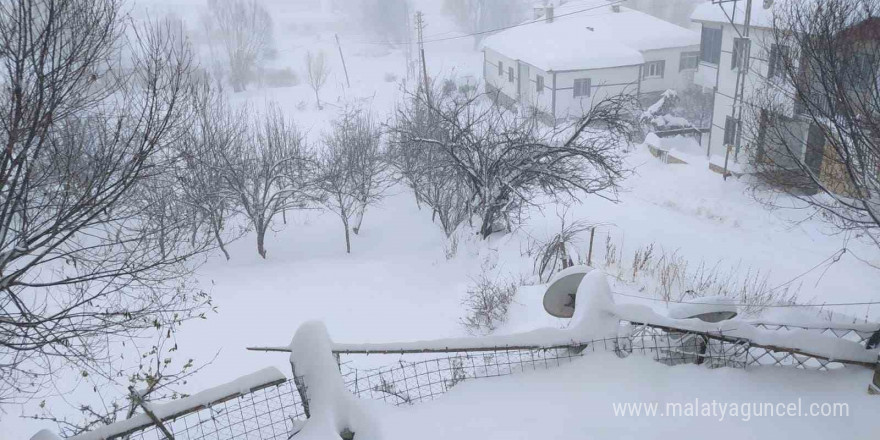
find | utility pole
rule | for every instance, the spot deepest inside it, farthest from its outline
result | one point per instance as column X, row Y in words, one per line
column 420, row 28
column 409, row 43
column 339, row 46
column 743, row 64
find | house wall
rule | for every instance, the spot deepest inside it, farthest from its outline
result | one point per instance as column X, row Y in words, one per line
column 603, row 82
column 529, row 96
column 673, row 77
column 725, row 87
column 490, row 73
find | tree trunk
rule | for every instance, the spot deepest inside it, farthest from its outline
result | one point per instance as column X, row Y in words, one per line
column 359, row 219
column 487, row 224
column 261, row 238
column 347, row 236
column 220, row 243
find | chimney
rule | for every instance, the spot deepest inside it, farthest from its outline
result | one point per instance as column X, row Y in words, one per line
column 615, row 7
column 548, row 12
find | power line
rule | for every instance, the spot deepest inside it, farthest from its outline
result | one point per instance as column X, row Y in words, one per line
column 567, row 14
column 503, row 28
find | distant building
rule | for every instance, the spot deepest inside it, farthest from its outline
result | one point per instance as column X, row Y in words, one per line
column 575, row 54
column 719, row 68
column 728, row 61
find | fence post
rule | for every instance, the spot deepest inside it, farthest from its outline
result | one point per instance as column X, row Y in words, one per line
column 874, row 386
column 157, row 421
column 301, row 389
column 590, row 253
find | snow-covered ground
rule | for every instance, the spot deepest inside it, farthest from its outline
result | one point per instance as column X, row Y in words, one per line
column 398, row 283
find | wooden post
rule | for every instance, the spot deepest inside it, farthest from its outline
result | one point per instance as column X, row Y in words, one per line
column 342, row 57
column 726, row 158
column 157, row 421
column 590, row 253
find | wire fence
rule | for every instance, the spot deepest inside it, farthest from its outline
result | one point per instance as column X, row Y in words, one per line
column 275, row 412
column 413, row 381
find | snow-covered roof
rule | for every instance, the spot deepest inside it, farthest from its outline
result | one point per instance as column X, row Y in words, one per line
column 588, row 34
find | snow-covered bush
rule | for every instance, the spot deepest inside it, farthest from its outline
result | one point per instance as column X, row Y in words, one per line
column 487, row 304
column 285, row 77
column 691, row 108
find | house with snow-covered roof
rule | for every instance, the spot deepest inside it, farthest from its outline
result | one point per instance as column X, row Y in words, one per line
column 574, row 54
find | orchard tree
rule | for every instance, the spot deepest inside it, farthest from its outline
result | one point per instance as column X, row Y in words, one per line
column 92, row 107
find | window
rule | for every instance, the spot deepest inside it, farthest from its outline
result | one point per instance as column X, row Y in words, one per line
column 688, row 61
column 740, row 57
column 710, row 45
column 500, row 68
column 510, row 74
column 653, row 69
column 775, row 60
column 730, row 134
column 582, row 87
column 539, row 83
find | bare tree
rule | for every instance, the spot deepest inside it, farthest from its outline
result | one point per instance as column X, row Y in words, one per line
column 84, row 257
column 426, row 170
column 369, row 165
column 269, row 171
column 318, row 73
column 352, row 169
column 216, row 127
column 244, row 28
column 815, row 121
column 505, row 160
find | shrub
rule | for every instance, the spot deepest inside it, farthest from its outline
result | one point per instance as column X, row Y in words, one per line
column 487, row 304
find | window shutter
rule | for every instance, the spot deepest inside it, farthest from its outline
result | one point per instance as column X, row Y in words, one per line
column 729, row 131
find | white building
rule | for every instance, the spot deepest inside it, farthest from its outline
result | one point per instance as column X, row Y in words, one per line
column 582, row 51
column 724, row 52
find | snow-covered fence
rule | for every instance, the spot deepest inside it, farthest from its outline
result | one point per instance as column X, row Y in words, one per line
column 421, row 375
column 264, row 405
column 866, row 334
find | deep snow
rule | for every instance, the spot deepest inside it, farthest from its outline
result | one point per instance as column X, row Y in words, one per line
column 397, row 283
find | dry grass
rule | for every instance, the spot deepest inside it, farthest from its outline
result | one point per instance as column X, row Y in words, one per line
column 672, row 278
